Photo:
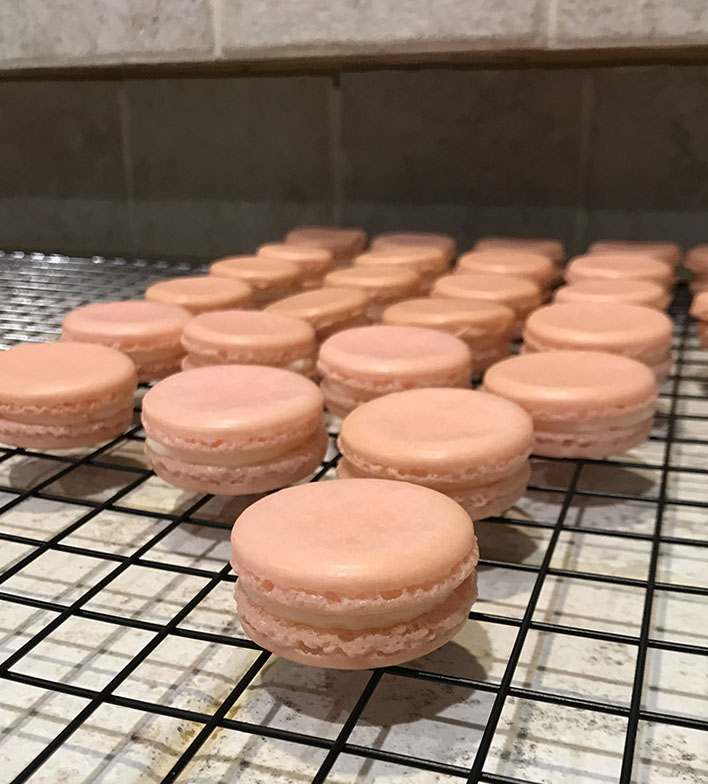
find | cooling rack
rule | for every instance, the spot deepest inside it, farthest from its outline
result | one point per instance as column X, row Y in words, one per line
column 584, row 660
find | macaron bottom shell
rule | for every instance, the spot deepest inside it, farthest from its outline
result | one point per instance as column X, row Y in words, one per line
column 260, row 477
column 350, row 649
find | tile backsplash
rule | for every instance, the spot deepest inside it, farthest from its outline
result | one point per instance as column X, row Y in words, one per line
column 197, row 167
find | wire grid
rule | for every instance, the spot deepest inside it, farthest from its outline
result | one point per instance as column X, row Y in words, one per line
column 585, row 658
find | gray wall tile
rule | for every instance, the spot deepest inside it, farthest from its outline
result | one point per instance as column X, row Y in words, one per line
column 272, row 28
column 220, row 165
column 635, row 23
column 59, row 32
column 479, row 151
column 62, row 180
column 649, row 154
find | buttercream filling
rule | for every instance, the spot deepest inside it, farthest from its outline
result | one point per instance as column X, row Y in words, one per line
column 213, row 458
column 90, row 411
column 580, row 426
column 302, row 365
column 381, row 617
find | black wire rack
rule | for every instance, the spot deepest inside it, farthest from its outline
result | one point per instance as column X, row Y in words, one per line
column 584, row 660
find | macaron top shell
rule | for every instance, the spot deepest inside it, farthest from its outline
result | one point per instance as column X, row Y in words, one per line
column 407, row 239
column 573, row 384
column 615, row 325
column 699, row 306
column 320, row 306
column 126, row 322
column 510, row 289
column 200, row 292
column 553, row 249
column 424, row 259
column 502, row 261
column 664, row 251
column 436, row 431
column 459, row 316
column 337, row 240
column 257, row 271
column 377, row 282
column 614, row 266
column 353, row 537
column 247, row 330
column 59, row 374
column 232, row 405
column 635, row 292
column 312, row 261
column 380, row 351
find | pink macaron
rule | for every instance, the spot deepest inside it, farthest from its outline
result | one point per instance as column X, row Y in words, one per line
column 250, row 337
column 150, row 333
column 583, row 403
column 343, row 244
column 605, row 290
column 64, row 395
column 269, row 279
column 427, row 261
column 234, row 429
column 201, row 293
column 484, row 326
column 633, row 331
column 417, row 239
column 699, row 310
column 697, row 260
column 607, row 266
column 520, row 294
column 469, row 445
column 668, row 252
column 524, row 264
column 354, row 574
column 327, row 310
column 361, row 364
column 552, row 249
column 313, row 263
column 382, row 285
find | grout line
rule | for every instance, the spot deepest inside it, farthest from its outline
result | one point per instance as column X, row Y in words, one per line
column 217, row 28
column 336, row 153
column 551, row 24
column 584, row 162
column 127, row 161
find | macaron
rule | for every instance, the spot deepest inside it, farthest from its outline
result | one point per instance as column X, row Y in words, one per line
column 427, row 261
column 328, row 310
column 417, row 239
column 668, row 252
column 269, row 279
column 524, row 264
column 605, row 290
column 343, row 244
column 583, row 403
column 199, row 294
column 313, row 263
column 354, row 574
column 150, row 333
column 699, row 310
column 697, row 260
column 358, row 365
column 64, row 395
column 607, row 266
column 250, row 337
column 553, row 249
column 382, row 285
column 634, row 331
column 519, row 294
column 484, row 326
column 234, row 429
column 470, row 445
